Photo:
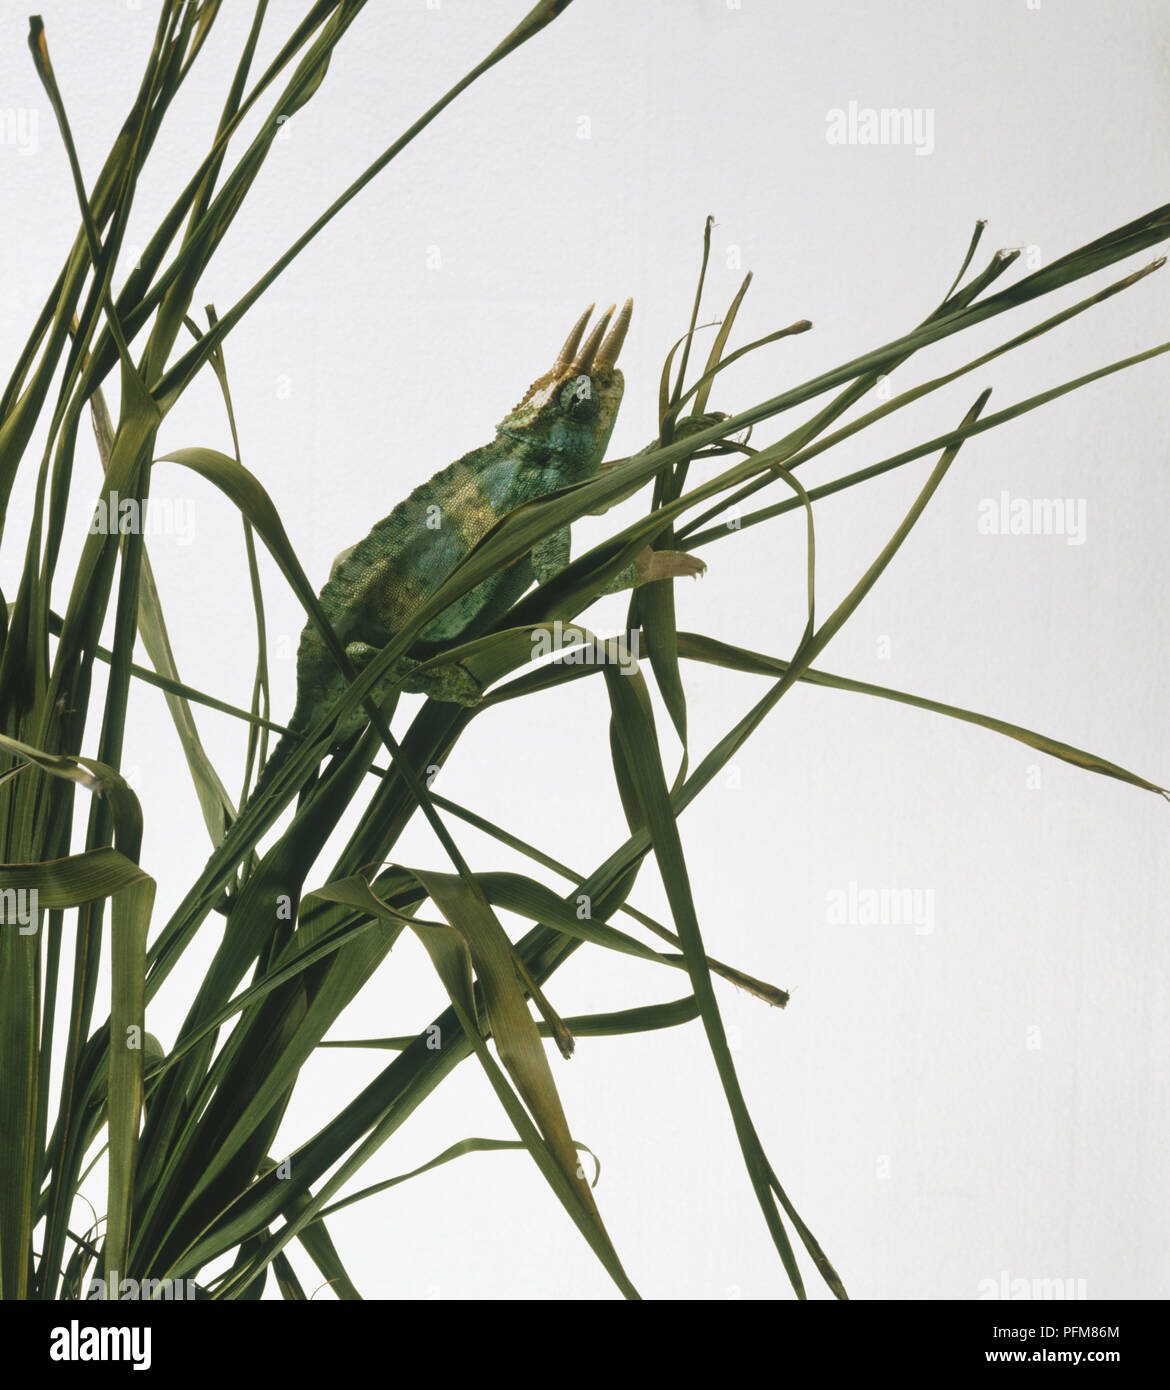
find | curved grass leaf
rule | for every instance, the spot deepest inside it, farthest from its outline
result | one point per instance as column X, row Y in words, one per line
column 475, row 938
column 648, row 1018
column 696, row 647
column 458, row 1150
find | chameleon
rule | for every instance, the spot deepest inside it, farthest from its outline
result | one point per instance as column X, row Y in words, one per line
column 555, row 436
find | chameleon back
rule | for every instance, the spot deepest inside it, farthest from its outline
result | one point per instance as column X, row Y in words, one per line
column 555, row 436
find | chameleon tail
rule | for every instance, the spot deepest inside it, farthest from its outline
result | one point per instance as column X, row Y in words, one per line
column 275, row 761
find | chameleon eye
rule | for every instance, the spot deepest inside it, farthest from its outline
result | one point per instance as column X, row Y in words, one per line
column 578, row 398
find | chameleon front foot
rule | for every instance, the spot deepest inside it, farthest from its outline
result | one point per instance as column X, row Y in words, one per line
column 652, row 565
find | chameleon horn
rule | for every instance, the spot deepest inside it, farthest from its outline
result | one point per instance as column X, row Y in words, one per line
column 608, row 355
column 565, row 356
column 584, row 359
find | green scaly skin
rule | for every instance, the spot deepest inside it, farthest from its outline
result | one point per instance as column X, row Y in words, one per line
column 556, row 436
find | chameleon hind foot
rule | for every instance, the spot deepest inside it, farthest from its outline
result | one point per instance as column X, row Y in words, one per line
column 452, row 683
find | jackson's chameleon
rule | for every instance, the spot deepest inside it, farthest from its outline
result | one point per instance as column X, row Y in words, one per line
column 557, row 435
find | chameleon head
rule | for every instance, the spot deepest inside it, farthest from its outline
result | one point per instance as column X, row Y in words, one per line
column 570, row 411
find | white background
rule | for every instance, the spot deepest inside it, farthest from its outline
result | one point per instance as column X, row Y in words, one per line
column 942, row 1105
